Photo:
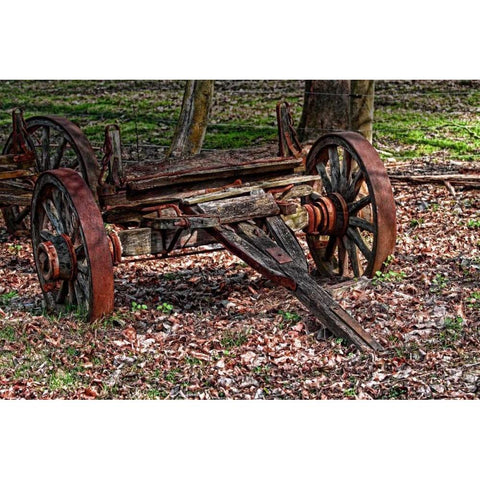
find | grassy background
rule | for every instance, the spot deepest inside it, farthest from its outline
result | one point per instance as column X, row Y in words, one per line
column 413, row 119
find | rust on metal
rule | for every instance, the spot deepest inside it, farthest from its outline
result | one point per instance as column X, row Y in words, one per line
column 115, row 247
column 279, row 255
column 48, row 263
column 235, row 183
column 327, row 215
column 288, row 139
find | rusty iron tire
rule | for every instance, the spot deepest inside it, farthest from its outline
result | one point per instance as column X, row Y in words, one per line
column 348, row 164
column 82, row 158
column 63, row 207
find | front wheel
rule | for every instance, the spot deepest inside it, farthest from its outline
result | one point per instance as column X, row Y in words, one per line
column 70, row 246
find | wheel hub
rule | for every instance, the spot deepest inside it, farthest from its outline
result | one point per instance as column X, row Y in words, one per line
column 57, row 259
column 327, row 215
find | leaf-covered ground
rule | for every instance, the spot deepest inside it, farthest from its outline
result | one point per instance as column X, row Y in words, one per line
column 208, row 327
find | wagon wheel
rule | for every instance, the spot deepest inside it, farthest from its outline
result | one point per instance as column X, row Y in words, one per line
column 359, row 193
column 71, row 251
column 57, row 142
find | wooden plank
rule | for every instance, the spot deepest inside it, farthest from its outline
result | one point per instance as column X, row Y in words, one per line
column 199, row 173
column 140, row 241
column 242, row 208
column 233, row 191
column 15, row 161
column 471, row 180
column 251, row 243
column 185, row 221
column 22, row 200
column 287, row 240
column 5, row 175
column 252, row 255
column 331, row 314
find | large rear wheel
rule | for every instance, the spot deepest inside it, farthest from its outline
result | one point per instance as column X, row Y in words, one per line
column 354, row 190
column 56, row 142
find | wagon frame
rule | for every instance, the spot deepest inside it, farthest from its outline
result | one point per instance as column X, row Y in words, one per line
column 88, row 215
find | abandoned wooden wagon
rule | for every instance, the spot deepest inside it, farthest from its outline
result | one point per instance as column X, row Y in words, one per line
column 85, row 215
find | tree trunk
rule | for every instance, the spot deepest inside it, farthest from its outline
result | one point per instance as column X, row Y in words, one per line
column 325, row 107
column 192, row 125
column 337, row 105
column 361, row 107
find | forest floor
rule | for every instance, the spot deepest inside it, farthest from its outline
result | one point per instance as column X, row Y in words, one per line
column 209, row 327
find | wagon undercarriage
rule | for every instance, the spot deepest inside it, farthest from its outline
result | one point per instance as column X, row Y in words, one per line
column 337, row 199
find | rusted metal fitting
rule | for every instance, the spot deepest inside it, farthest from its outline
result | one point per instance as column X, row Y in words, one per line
column 115, row 246
column 57, row 259
column 327, row 215
column 287, row 208
column 160, row 208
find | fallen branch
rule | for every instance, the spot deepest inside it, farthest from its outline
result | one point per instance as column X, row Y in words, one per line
column 472, row 181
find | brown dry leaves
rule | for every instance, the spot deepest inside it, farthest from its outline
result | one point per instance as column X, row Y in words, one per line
column 213, row 328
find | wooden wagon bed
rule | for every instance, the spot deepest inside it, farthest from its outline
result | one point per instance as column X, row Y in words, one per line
column 206, row 166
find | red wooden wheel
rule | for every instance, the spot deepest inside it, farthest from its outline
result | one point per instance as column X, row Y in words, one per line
column 353, row 174
column 56, row 142
column 70, row 246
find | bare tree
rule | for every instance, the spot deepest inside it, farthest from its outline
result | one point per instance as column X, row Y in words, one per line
column 192, row 124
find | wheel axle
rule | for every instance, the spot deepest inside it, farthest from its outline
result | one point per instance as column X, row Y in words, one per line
column 57, row 259
column 327, row 215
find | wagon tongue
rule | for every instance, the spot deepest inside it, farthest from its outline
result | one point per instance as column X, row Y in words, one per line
column 269, row 255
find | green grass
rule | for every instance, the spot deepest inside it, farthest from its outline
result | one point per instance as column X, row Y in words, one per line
column 232, row 338
column 412, row 119
column 8, row 333
column 387, row 277
column 60, row 380
column 451, row 331
column 288, row 319
column 6, row 298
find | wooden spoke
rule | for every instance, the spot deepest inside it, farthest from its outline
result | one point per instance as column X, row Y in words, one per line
column 362, row 224
column 52, row 214
column 342, row 256
column 80, row 253
column 354, row 186
column 322, row 171
column 353, row 234
column 346, row 166
column 58, row 155
column 45, row 139
column 46, row 236
column 62, row 293
column 351, row 250
column 334, row 168
column 359, row 204
column 330, row 248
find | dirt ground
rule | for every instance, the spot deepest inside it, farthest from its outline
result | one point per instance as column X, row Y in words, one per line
column 209, row 327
